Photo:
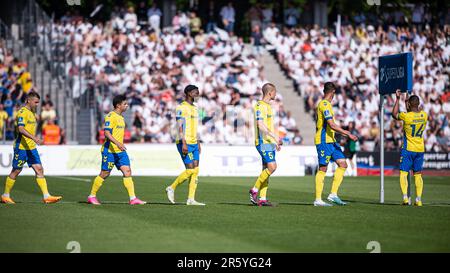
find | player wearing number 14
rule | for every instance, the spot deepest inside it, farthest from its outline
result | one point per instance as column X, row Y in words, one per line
column 413, row 148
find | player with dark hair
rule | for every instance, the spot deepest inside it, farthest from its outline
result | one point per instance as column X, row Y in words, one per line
column 413, row 148
column 114, row 153
column 266, row 142
column 188, row 145
column 25, row 150
column 327, row 147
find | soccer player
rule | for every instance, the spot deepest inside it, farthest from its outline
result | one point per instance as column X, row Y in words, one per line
column 187, row 145
column 413, row 148
column 267, row 143
column 25, row 150
column 114, row 153
column 327, row 147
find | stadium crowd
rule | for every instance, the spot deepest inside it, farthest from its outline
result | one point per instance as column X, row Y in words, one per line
column 152, row 66
column 15, row 83
column 312, row 56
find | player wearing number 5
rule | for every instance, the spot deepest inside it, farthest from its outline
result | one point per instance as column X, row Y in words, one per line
column 411, row 156
column 25, row 150
column 327, row 147
column 187, row 145
column 266, row 142
column 114, row 152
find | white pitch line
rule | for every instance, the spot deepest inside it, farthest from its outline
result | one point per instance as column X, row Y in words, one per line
column 73, row 178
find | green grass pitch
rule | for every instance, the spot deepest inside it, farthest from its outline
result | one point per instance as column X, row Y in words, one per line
column 228, row 223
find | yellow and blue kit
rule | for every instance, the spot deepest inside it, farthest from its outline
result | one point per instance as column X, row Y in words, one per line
column 188, row 114
column 326, row 145
column 265, row 144
column 24, row 147
column 413, row 148
column 111, row 154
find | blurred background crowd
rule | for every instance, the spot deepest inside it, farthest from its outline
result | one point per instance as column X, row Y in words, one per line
column 219, row 50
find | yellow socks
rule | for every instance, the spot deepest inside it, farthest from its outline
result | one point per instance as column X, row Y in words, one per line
column 181, row 178
column 419, row 185
column 193, row 183
column 43, row 185
column 98, row 182
column 9, row 184
column 337, row 180
column 129, row 185
column 261, row 179
column 404, row 184
column 320, row 176
column 263, row 191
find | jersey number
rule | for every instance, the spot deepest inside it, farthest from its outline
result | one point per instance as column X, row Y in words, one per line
column 419, row 132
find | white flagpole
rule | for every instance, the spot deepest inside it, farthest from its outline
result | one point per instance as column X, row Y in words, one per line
column 382, row 149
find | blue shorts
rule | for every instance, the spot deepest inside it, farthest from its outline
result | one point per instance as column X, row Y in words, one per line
column 410, row 160
column 31, row 157
column 111, row 159
column 267, row 152
column 327, row 152
column 192, row 155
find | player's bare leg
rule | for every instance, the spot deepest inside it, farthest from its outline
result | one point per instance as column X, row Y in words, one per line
column 40, row 180
column 9, row 184
column 129, row 185
column 96, row 184
column 337, row 180
column 319, row 180
column 193, row 185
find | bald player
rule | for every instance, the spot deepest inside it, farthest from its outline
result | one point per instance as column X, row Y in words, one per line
column 266, row 142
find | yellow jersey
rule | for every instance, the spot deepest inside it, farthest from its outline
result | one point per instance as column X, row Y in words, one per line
column 115, row 124
column 263, row 111
column 324, row 134
column 414, row 124
column 27, row 119
column 187, row 113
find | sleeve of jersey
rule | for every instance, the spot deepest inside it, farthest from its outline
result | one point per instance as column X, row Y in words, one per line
column 401, row 116
column 179, row 114
column 259, row 113
column 21, row 119
column 327, row 111
column 109, row 124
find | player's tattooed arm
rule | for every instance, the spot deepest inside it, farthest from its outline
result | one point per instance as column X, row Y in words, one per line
column 109, row 136
column 24, row 132
column 395, row 110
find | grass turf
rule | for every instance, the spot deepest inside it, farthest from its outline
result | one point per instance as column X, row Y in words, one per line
column 228, row 223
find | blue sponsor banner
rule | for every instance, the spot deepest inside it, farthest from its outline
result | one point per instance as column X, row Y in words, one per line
column 395, row 72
